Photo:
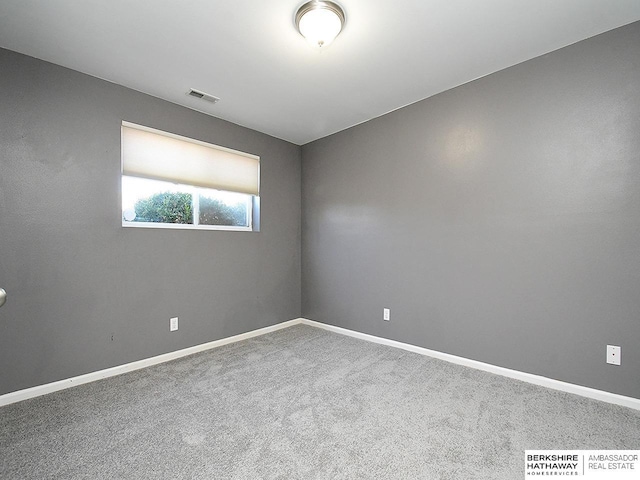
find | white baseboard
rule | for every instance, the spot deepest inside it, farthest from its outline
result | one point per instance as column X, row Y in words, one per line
column 32, row 392
column 601, row 395
column 505, row 372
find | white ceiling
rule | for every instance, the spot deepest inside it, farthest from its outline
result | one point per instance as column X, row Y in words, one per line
column 248, row 53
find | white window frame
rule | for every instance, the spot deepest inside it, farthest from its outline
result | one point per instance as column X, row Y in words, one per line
column 252, row 202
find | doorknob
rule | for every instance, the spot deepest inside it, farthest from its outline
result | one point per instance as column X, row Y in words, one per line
column 3, row 296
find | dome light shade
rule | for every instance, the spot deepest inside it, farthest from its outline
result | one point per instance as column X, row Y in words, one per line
column 320, row 22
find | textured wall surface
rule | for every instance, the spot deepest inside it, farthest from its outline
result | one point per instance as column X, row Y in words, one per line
column 499, row 221
column 75, row 277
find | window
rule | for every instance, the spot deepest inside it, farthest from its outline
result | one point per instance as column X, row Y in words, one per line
column 171, row 181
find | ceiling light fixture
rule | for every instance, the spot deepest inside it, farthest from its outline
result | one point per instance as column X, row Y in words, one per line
column 320, row 22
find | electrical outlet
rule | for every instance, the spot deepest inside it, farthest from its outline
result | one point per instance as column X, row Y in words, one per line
column 614, row 354
column 386, row 314
column 173, row 324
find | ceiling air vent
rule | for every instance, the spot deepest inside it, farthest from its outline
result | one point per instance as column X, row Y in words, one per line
column 204, row 96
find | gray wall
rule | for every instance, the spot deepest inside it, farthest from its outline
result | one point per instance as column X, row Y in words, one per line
column 500, row 220
column 74, row 276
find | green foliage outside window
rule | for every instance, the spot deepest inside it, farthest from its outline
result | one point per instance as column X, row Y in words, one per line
column 216, row 212
column 176, row 207
column 167, row 207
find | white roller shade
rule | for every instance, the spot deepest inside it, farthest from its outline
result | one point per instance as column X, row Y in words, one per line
column 157, row 155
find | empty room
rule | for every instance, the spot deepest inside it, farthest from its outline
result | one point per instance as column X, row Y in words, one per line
column 319, row 240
